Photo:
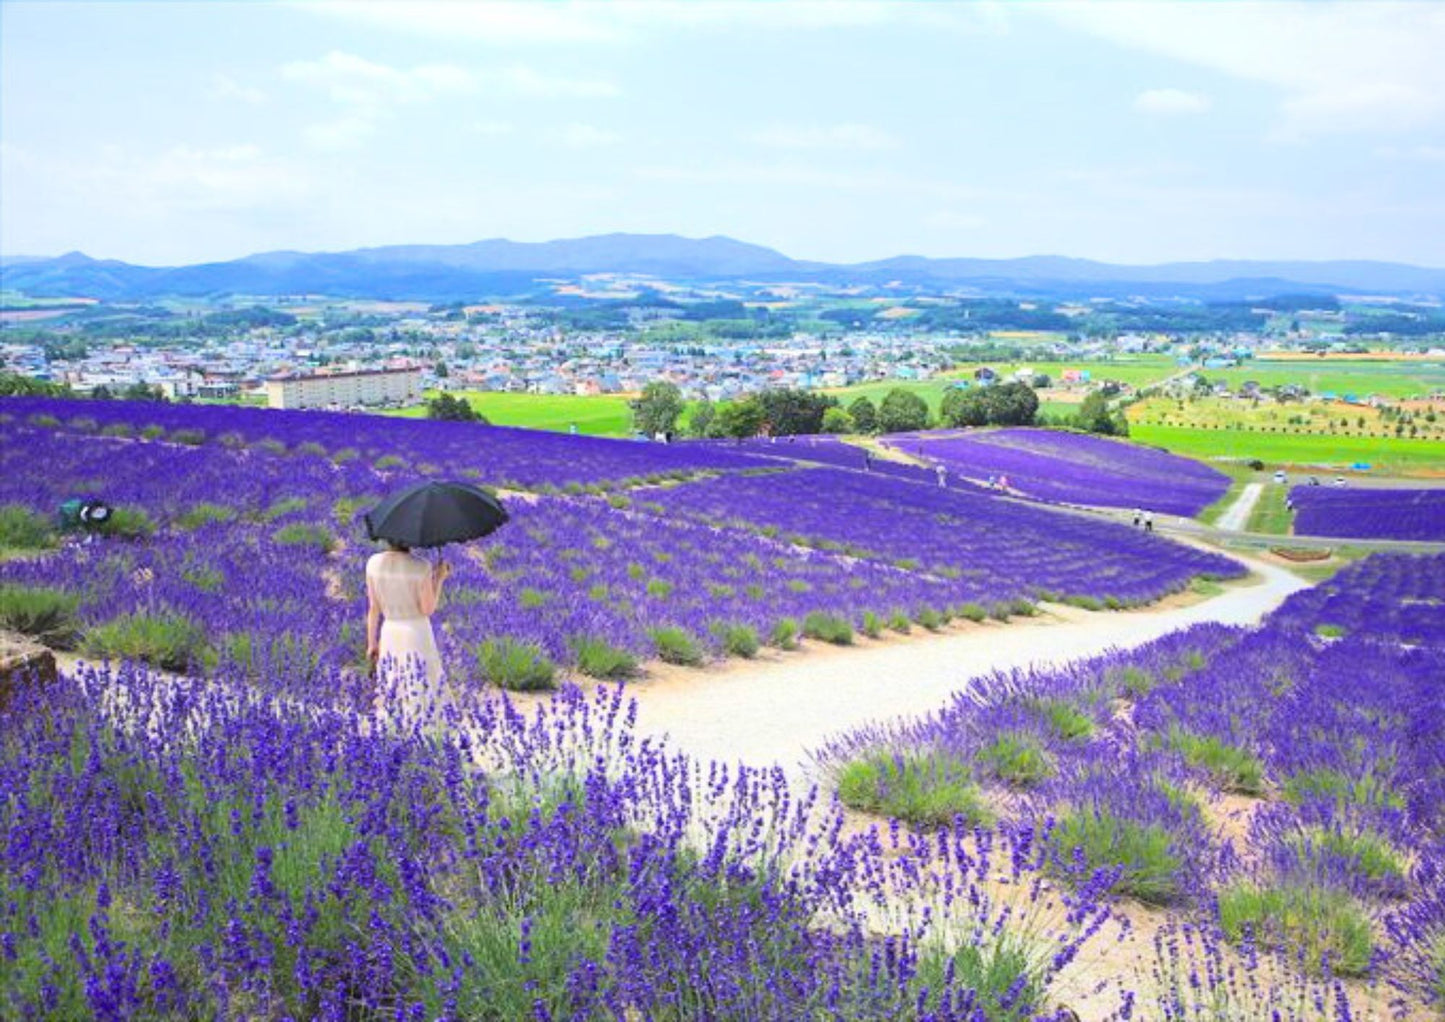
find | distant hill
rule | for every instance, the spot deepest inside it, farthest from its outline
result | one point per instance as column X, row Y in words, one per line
column 500, row 267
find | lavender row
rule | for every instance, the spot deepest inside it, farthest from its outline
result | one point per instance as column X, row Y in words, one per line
column 1075, row 468
column 1003, row 547
column 1324, row 739
column 496, row 455
column 1369, row 513
column 829, row 450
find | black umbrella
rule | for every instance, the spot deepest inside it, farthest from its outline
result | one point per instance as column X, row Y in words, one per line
column 433, row 514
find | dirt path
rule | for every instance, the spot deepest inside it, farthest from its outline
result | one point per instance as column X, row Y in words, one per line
column 776, row 711
column 1237, row 517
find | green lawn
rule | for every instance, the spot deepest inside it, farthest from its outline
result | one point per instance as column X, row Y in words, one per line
column 1340, row 376
column 1386, row 455
column 605, row 415
column 1270, row 514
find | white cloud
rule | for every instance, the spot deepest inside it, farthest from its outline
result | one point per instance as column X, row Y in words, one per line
column 837, row 136
column 1171, row 102
column 585, row 136
column 1340, row 66
column 620, row 21
column 356, row 81
column 226, row 87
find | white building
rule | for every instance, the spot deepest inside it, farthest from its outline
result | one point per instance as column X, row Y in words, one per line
column 344, row 389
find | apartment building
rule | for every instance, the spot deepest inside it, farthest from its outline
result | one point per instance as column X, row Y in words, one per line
column 345, row 389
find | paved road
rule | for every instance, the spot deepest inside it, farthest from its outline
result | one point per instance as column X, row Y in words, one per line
column 1237, row 517
column 776, row 710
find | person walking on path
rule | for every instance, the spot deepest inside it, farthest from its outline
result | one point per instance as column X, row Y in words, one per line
column 402, row 593
column 942, row 474
column 867, row 461
column 1138, row 517
column 1148, row 521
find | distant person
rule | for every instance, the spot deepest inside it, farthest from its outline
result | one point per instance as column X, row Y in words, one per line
column 1003, row 483
column 572, row 429
column 402, row 593
column 1138, row 517
column 867, row 461
column 1148, row 521
column 992, row 482
column 942, row 474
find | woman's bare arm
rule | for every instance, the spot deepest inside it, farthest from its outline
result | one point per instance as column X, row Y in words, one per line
column 373, row 619
column 431, row 588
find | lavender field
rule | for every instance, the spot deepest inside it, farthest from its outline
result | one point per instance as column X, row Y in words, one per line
column 1283, row 786
column 1358, row 513
column 212, row 823
column 1075, row 468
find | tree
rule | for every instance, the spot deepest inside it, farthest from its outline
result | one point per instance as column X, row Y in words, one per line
column 447, row 408
column 901, row 411
column 793, row 411
column 836, row 420
column 139, row 391
column 865, row 415
column 442, row 371
column 1093, row 415
column 1011, row 404
column 658, row 409
column 741, row 419
column 703, row 419
column 962, row 407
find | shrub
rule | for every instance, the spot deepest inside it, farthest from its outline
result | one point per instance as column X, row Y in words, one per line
column 515, row 666
column 736, row 639
column 597, row 658
column 46, row 615
column 387, row 461
column 659, row 589
column 1144, row 852
column 1365, row 853
column 1064, row 719
column 190, row 437
column 828, row 628
column 1328, row 631
column 929, row 618
column 972, row 612
column 23, row 529
column 929, row 789
column 872, row 625
column 305, row 534
column 676, row 646
column 898, row 622
column 530, row 598
column 310, row 447
column 784, row 634
column 1230, row 767
column 170, row 641
column 1324, row 927
column 204, row 514
column 1016, row 759
column 285, row 506
column 128, row 523
column 1343, row 790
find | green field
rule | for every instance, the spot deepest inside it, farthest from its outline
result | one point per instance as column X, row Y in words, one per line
column 605, row 415
column 1136, row 372
column 1404, row 378
column 1386, row 455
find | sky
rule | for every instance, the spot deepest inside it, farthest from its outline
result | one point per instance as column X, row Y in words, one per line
column 174, row 132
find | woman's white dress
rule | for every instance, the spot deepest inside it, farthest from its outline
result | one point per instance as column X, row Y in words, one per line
column 409, row 667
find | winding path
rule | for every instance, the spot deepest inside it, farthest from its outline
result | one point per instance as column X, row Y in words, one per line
column 777, row 709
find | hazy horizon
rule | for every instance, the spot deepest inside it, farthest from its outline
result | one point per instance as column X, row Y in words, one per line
column 176, row 133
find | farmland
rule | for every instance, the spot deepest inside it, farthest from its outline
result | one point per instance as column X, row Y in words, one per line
column 1385, row 455
column 1399, row 378
column 603, row 415
column 530, row 855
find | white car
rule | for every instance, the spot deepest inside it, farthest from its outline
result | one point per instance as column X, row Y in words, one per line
column 1279, row 477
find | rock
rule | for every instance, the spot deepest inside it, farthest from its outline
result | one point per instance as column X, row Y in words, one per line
column 23, row 662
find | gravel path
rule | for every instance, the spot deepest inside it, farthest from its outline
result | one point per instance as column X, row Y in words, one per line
column 1237, row 517
column 775, row 710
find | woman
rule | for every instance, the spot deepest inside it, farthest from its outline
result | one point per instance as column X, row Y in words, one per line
column 403, row 592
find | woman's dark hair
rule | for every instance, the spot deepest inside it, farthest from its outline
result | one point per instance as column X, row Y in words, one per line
column 400, row 548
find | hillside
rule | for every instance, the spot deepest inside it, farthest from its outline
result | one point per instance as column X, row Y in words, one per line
column 501, row 267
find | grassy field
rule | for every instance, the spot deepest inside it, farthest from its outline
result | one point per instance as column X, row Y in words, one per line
column 1270, row 514
column 1135, row 372
column 605, row 415
column 1386, row 455
column 1400, row 378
